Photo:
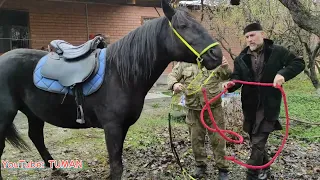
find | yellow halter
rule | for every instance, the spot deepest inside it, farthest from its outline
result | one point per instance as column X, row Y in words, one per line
column 199, row 60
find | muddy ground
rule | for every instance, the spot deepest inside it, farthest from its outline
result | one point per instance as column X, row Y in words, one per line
column 151, row 158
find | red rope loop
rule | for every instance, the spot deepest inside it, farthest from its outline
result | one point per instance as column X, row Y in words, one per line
column 240, row 138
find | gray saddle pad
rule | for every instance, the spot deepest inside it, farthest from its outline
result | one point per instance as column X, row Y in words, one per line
column 70, row 72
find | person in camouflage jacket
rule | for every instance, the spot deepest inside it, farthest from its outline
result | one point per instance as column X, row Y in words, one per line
column 178, row 80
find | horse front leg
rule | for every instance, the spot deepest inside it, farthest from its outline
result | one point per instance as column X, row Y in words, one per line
column 115, row 134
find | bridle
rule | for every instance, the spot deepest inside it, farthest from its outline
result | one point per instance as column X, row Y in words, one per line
column 199, row 58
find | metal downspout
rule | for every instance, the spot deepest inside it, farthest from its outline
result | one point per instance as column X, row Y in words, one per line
column 87, row 19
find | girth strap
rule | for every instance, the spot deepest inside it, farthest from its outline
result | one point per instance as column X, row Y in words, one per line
column 79, row 101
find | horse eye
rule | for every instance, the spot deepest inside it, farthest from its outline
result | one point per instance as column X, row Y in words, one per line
column 183, row 26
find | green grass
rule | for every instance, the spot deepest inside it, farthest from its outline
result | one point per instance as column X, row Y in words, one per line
column 150, row 128
column 303, row 104
column 140, row 134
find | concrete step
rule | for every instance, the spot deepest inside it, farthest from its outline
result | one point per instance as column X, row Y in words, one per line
column 155, row 97
column 156, row 100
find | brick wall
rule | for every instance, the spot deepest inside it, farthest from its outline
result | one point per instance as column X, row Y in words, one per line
column 233, row 41
column 70, row 22
column 52, row 20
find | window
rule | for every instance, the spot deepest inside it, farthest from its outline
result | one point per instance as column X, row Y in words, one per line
column 14, row 30
column 145, row 19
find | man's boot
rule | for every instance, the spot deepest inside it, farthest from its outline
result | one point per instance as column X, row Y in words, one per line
column 252, row 175
column 200, row 171
column 265, row 174
column 223, row 174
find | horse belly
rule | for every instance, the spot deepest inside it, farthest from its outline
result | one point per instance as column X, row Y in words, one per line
column 56, row 109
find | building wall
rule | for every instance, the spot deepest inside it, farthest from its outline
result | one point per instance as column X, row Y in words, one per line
column 233, row 41
column 74, row 22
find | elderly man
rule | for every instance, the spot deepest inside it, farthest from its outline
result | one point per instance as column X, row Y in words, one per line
column 180, row 77
column 262, row 61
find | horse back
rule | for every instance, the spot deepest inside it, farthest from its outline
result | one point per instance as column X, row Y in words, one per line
column 16, row 66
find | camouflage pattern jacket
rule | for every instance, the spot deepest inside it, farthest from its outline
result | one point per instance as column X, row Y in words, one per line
column 185, row 73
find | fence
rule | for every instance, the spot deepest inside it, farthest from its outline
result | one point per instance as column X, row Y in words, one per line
column 7, row 44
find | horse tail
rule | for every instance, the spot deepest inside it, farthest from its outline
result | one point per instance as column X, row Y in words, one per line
column 13, row 137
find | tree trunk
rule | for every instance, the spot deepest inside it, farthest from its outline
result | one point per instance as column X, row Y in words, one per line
column 318, row 67
column 302, row 16
column 313, row 75
column 310, row 69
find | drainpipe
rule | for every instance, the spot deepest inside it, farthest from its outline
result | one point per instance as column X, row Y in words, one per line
column 2, row 2
column 87, row 19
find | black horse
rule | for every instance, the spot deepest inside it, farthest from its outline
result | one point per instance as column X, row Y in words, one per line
column 133, row 65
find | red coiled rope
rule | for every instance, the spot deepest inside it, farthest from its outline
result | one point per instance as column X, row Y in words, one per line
column 223, row 132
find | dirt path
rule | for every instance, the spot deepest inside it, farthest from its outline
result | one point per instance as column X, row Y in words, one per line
column 154, row 160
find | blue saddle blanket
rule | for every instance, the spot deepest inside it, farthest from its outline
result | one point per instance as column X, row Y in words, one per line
column 54, row 86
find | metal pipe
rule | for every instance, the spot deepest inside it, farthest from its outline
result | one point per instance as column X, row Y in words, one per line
column 87, row 19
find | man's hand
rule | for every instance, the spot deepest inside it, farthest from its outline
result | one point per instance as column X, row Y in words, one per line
column 227, row 84
column 278, row 80
column 224, row 62
column 178, row 87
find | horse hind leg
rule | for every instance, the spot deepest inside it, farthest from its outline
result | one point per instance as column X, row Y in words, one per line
column 35, row 133
column 8, row 131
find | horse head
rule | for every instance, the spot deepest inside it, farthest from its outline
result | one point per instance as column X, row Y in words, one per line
column 190, row 41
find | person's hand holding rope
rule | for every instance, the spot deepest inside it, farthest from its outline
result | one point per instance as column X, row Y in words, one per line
column 278, row 80
column 225, row 63
column 178, row 87
column 227, row 84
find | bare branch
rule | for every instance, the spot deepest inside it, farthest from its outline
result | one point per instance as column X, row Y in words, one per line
column 232, row 55
column 202, row 14
column 316, row 51
column 302, row 16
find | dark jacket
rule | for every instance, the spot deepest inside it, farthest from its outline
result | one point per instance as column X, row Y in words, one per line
column 277, row 60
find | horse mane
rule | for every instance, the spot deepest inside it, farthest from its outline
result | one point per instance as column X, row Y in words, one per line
column 135, row 53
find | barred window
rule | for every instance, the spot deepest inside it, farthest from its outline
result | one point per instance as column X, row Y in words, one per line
column 14, row 30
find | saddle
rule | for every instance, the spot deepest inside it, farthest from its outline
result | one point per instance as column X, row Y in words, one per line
column 72, row 66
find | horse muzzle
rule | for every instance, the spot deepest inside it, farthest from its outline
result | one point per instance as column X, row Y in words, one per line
column 212, row 58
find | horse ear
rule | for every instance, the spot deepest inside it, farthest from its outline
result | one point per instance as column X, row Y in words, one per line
column 167, row 9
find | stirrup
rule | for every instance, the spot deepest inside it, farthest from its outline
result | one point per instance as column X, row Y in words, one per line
column 80, row 119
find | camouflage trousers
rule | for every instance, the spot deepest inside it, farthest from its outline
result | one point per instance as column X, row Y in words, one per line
column 197, row 135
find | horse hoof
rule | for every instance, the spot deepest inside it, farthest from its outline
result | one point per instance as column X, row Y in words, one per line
column 59, row 172
column 80, row 121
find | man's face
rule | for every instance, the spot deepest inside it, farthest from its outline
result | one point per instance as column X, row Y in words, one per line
column 254, row 39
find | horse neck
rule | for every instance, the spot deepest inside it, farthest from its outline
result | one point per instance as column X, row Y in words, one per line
column 158, row 67
column 154, row 66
